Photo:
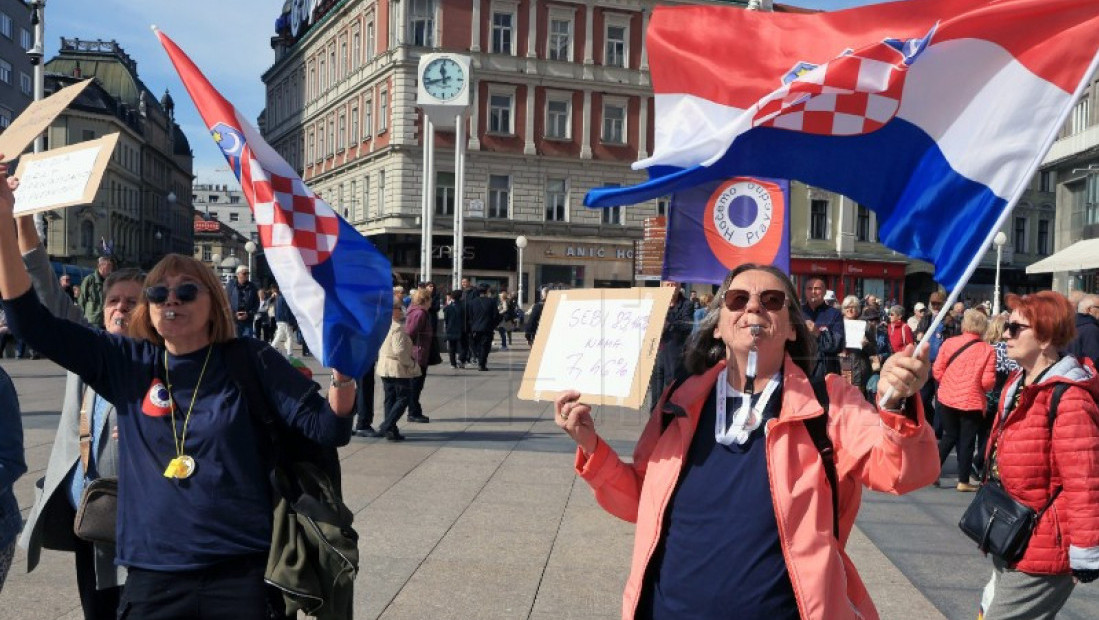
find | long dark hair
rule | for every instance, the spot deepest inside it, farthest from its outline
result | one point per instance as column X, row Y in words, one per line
column 703, row 350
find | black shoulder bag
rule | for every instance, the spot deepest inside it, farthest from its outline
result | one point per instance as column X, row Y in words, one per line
column 998, row 523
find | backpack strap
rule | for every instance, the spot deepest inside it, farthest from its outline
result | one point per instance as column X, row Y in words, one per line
column 818, row 430
column 959, row 352
column 240, row 361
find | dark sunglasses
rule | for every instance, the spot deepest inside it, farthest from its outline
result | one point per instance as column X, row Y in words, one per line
column 1012, row 328
column 185, row 292
column 736, row 299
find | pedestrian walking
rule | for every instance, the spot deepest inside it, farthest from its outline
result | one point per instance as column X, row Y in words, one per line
column 737, row 512
column 506, row 308
column 90, row 298
column 364, row 404
column 454, row 321
column 396, row 368
column 482, row 317
column 285, row 323
column 419, row 327
column 243, row 301
column 966, row 371
column 535, row 316
column 1047, row 465
column 468, row 349
column 260, row 320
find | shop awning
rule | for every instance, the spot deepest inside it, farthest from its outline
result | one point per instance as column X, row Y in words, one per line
column 1076, row 257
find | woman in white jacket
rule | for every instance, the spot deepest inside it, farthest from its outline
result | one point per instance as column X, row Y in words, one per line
column 396, row 368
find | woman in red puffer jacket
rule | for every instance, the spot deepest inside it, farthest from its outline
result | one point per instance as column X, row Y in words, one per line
column 900, row 334
column 1040, row 464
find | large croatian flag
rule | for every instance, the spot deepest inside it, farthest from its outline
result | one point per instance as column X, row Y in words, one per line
column 932, row 113
column 336, row 282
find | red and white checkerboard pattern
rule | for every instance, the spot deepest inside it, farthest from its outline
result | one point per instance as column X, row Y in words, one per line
column 851, row 95
column 289, row 214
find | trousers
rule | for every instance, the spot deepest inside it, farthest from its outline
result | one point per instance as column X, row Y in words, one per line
column 231, row 590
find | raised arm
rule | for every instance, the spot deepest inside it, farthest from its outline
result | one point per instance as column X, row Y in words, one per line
column 14, row 280
column 45, row 283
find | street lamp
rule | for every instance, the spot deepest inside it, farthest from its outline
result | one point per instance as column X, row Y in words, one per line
column 520, row 242
column 250, row 247
column 999, row 240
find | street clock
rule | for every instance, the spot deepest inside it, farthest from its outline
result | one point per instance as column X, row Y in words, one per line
column 443, row 82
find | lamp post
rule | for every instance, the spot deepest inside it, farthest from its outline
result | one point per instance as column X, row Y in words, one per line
column 36, row 53
column 999, row 240
column 215, row 263
column 250, row 247
column 520, row 242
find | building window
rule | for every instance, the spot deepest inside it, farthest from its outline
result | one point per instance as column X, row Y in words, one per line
column 818, row 219
column 617, row 33
column 862, row 225
column 1020, row 235
column 313, row 81
column 323, row 82
column 612, row 215
column 444, row 193
column 368, row 118
column 332, row 65
column 331, row 138
column 499, row 195
column 356, row 50
column 383, row 111
column 311, row 150
column 214, row 215
column 557, row 200
column 5, row 71
column 1080, row 115
column 500, row 113
column 421, row 23
column 559, row 117
column 559, row 42
column 662, row 204
column 234, row 200
column 1043, row 237
column 5, row 118
column 25, row 84
column 614, row 121
column 320, row 144
column 381, row 192
column 503, row 32
column 366, row 196
column 5, row 25
column 343, row 57
column 234, row 217
column 25, row 39
column 1047, row 180
column 370, row 41
column 342, row 139
column 207, row 254
column 354, row 124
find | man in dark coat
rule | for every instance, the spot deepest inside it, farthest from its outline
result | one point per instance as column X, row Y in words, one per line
column 243, row 300
column 826, row 324
column 678, row 324
column 454, row 320
column 1086, row 342
column 482, row 317
column 465, row 349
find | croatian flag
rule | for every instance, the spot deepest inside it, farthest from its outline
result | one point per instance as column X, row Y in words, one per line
column 932, row 113
column 336, row 282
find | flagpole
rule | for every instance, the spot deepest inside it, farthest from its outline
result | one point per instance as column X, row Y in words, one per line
column 1020, row 187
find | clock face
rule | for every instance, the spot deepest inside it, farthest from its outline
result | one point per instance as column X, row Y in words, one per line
column 443, row 79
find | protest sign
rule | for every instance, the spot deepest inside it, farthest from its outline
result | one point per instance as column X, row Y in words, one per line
column 35, row 119
column 62, row 177
column 600, row 342
column 854, row 331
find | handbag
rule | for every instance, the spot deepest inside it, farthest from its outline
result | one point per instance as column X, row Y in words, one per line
column 995, row 521
column 97, row 515
column 98, row 511
column 999, row 524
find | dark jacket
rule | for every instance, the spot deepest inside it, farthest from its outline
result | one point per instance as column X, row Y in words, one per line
column 830, row 338
column 242, row 297
column 282, row 311
column 454, row 318
column 534, row 318
column 482, row 315
column 1086, row 342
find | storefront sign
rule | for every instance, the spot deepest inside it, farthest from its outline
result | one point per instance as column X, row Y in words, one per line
column 593, row 251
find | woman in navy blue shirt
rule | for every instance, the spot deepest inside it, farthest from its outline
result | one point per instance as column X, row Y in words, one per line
column 195, row 505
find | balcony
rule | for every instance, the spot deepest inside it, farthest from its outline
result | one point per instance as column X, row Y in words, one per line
column 1073, row 145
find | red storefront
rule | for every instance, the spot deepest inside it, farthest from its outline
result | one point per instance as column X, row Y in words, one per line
column 851, row 277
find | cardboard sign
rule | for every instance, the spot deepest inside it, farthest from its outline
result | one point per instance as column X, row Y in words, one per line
column 854, row 331
column 35, row 119
column 62, row 177
column 600, row 342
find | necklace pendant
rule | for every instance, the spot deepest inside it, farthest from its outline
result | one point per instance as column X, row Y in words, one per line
column 185, row 466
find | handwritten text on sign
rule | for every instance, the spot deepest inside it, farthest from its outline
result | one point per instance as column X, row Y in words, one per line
column 58, row 180
column 598, row 348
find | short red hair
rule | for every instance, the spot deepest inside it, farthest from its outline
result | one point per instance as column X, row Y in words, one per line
column 1049, row 314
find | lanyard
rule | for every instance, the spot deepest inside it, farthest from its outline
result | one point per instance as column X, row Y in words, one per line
column 747, row 418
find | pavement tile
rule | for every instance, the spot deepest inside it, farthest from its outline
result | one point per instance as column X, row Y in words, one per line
column 467, row 588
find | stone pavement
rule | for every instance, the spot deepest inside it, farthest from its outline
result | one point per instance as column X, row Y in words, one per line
column 476, row 515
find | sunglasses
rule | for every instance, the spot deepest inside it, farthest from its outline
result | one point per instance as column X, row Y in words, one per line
column 185, row 292
column 737, row 299
column 1012, row 328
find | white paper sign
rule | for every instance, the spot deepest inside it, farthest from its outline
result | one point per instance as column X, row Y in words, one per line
column 853, row 333
column 601, row 343
column 62, row 177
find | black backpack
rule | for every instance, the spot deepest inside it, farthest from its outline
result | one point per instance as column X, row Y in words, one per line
column 314, row 555
column 817, row 427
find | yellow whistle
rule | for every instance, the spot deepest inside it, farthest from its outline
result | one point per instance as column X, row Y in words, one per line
column 174, row 466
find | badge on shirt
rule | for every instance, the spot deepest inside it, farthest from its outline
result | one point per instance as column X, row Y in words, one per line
column 158, row 402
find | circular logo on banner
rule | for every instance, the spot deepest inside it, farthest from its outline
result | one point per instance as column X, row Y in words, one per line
column 744, row 222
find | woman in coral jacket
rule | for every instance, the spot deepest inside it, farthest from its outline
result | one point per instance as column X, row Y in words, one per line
column 966, row 371
column 1035, row 462
column 733, row 509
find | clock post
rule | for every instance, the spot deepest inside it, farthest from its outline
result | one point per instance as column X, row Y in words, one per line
column 443, row 94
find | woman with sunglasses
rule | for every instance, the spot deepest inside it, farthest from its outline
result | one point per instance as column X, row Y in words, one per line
column 194, row 504
column 1041, row 464
column 728, row 486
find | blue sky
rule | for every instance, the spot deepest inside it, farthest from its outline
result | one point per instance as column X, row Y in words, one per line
column 228, row 39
